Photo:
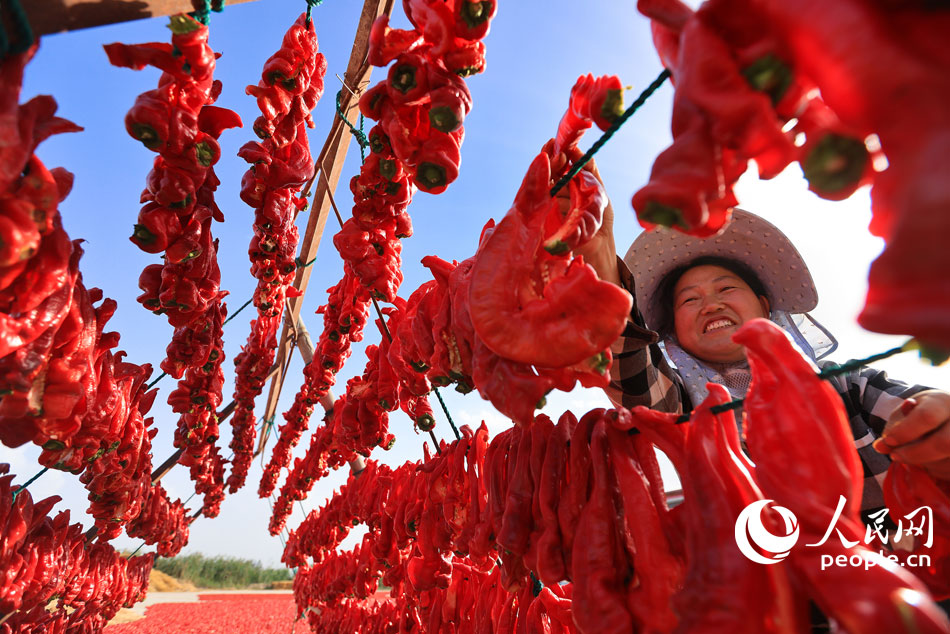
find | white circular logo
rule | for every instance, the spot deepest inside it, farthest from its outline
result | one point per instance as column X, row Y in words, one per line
column 756, row 542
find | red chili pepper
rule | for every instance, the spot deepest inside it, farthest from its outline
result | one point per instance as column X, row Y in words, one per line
column 385, row 43
column 658, row 570
column 907, row 488
column 509, row 301
column 690, row 185
column 788, row 394
column 599, row 604
column 465, row 58
column 516, row 523
column 593, row 100
column 473, row 18
column 408, row 80
column 565, row 232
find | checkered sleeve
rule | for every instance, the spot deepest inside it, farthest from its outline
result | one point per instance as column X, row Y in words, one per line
column 640, row 374
column 870, row 397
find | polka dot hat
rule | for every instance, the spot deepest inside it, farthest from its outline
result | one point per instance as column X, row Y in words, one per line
column 746, row 238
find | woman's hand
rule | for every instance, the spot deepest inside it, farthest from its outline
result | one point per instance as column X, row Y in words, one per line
column 600, row 251
column 918, row 433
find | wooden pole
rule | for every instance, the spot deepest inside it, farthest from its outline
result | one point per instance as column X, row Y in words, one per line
column 56, row 16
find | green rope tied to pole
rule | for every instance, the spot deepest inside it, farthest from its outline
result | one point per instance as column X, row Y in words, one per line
column 358, row 133
column 29, row 482
column 609, row 132
column 310, row 5
column 203, row 14
column 827, row 373
column 447, row 415
column 22, row 35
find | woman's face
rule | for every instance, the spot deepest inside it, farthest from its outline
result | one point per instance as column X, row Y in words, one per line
column 709, row 304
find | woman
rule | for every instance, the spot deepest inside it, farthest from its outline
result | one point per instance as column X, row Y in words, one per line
column 692, row 294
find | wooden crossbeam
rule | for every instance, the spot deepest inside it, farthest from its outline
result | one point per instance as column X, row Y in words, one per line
column 57, row 16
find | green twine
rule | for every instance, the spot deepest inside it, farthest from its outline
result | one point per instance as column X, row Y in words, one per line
column 243, row 306
column 157, row 379
column 310, row 5
column 132, row 554
column 447, row 415
column 203, row 14
column 609, row 132
column 23, row 34
column 29, row 482
column 536, row 585
column 301, row 265
column 844, row 368
column 358, row 133
column 829, row 372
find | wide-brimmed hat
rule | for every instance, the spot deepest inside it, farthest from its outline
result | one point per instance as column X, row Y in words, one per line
column 747, row 238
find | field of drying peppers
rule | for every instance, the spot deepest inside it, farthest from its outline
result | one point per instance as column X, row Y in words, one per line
column 216, row 613
column 552, row 524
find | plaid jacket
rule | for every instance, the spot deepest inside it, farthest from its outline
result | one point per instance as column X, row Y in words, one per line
column 641, row 375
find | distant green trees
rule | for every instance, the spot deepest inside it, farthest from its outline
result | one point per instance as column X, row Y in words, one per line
column 220, row 572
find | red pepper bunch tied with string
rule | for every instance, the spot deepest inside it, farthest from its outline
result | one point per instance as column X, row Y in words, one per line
column 477, row 599
column 431, row 537
column 207, row 473
column 46, row 558
column 896, row 90
column 525, row 288
column 374, row 256
column 344, row 317
column 353, row 573
column 382, row 388
column 178, row 121
column 750, row 86
column 418, row 513
column 583, row 501
column 358, row 501
column 322, row 455
column 356, row 425
column 198, row 395
column 197, row 398
column 118, row 475
column 291, row 85
column 161, row 522
column 38, row 271
column 422, row 104
column 420, row 109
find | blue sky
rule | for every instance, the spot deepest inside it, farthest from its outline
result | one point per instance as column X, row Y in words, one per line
column 536, row 50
